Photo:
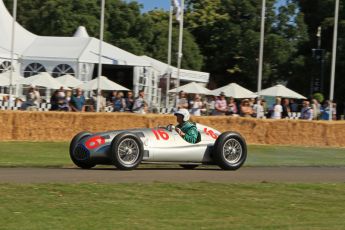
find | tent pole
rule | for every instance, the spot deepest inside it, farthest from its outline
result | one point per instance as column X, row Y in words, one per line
column 169, row 57
column 334, row 57
column 12, row 53
column 100, row 56
column 179, row 55
column 261, row 54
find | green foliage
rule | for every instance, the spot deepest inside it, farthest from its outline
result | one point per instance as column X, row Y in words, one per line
column 319, row 97
column 321, row 13
column 228, row 32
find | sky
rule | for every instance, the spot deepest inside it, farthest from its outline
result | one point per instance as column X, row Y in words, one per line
column 152, row 4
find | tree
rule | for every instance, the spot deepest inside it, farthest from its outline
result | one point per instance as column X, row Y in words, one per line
column 125, row 26
column 321, row 13
column 228, row 33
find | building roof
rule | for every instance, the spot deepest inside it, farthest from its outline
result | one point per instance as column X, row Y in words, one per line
column 81, row 47
column 23, row 37
column 187, row 75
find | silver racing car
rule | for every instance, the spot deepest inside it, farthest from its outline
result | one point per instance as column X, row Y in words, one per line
column 126, row 149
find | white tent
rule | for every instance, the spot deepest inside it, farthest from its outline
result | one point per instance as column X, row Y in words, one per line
column 69, row 80
column 185, row 75
column 5, row 78
column 105, row 84
column 192, row 88
column 280, row 91
column 23, row 37
column 234, row 90
column 43, row 79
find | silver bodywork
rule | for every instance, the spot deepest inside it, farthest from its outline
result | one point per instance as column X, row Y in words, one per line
column 160, row 145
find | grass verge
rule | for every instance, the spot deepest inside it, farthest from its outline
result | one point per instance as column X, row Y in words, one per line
column 172, row 206
column 55, row 154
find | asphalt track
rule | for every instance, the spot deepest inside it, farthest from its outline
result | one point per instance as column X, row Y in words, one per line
column 149, row 175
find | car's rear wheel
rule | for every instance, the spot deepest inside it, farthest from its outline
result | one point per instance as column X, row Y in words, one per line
column 230, row 151
column 78, row 155
column 188, row 166
column 126, row 151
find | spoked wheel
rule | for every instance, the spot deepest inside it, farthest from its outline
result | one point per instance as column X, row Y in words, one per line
column 126, row 151
column 78, row 154
column 230, row 151
column 187, row 166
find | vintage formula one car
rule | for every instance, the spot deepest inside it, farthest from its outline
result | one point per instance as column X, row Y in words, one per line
column 126, row 149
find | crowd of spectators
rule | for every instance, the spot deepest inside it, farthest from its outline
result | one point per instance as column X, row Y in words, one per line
column 118, row 101
column 256, row 107
column 75, row 101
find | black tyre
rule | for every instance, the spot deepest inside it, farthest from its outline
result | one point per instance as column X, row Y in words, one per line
column 230, row 151
column 126, row 151
column 84, row 164
column 187, row 166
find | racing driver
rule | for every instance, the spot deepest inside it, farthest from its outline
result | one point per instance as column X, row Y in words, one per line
column 185, row 128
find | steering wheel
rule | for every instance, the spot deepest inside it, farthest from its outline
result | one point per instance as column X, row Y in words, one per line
column 170, row 127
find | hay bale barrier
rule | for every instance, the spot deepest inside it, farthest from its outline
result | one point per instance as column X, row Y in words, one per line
column 62, row 126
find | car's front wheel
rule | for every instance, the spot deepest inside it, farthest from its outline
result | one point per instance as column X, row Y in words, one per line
column 78, row 154
column 230, row 151
column 126, row 151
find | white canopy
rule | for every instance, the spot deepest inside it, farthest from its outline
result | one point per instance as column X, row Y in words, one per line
column 23, row 37
column 5, row 78
column 234, row 90
column 105, row 84
column 185, row 75
column 280, row 91
column 192, row 88
column 69, row 80
column 43, row 79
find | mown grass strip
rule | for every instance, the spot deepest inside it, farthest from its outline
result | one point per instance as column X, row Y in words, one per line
column 55, row 154
column 172, row 206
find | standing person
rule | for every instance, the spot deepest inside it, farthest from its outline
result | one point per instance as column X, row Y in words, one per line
column 54, row 101
column 210, row 105
column 112, row 96
column 277, row 109
column 77, row 103
column 258, row 109
column 325, row 110
column 316, row 107
column 306, row 112
column 68, row 95
column 33, row 96
column 119, row 103
column 61, row 100
column 186, row 129
column 140, row 104
column 232, row 107
column 129, row 101
column 286, row 108
column 102, row 102
column 221, row 106
column 293, row 106
column 196, row 105
column 334, row 111
column 182, row 101
column 246, row 109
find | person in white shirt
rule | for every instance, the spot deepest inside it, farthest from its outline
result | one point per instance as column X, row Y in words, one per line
column 196, row 106
column 277, row 109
